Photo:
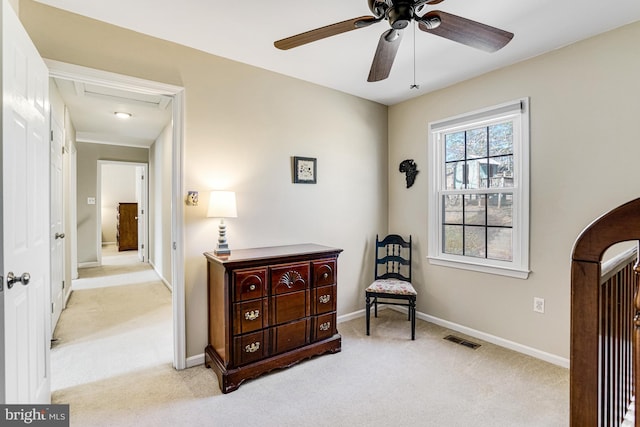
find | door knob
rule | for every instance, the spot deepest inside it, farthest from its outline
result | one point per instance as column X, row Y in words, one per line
column 12, row 279
column 59, row 236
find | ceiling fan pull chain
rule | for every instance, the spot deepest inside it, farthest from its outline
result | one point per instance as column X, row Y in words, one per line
column 414, row 85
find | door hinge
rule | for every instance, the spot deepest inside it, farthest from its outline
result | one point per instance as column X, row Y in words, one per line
column 1, row 283
column 51, row 135
column 141, row 211
column 63, row 284
column 51, row 308
column 175, row 246
column 142, row 246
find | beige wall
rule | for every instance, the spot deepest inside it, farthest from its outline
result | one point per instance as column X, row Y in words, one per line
column 87, row 186
column 584, row 151
column 243, row 125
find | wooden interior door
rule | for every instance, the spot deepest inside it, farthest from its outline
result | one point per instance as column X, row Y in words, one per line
column 127, row 232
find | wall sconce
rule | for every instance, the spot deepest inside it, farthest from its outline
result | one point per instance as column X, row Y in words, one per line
column 222, row 204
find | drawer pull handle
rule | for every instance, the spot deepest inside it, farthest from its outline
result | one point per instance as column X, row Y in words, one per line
column 252, row 315
column 252, row 287
column 252, row 348
column 325, row 326
column 325, row 299
column 325, row 275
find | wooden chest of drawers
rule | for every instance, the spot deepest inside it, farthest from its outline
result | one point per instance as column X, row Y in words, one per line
column 270, row 308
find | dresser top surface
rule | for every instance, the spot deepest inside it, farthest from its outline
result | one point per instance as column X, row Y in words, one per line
column 273, row 252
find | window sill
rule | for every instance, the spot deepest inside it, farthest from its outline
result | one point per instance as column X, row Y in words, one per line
column 482, row 268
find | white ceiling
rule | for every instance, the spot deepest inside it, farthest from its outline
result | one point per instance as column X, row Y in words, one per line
column 244, row 31
column 92, row 109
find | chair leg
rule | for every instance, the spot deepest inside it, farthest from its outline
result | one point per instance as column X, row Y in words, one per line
column 375, row 306
column 412, row 314
column 368, row 314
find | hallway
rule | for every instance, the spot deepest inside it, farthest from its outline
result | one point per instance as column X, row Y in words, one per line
column 117, row 320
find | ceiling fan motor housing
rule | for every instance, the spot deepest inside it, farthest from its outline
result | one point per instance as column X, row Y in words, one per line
column 400, row 14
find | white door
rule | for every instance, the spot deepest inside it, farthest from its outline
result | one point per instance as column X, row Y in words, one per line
column 24, row 227
column 56, row 227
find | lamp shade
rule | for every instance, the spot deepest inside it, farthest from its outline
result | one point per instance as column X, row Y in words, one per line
column 222, row 204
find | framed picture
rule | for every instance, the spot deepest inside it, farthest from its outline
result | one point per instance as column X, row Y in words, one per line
column 304, row 170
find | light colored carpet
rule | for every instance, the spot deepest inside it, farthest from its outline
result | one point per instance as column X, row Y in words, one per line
column 112, row 364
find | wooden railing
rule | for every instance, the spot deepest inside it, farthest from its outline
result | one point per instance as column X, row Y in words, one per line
column 603, row 329
column 617, row 291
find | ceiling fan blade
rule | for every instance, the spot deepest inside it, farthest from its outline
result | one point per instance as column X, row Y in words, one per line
column 324, row 32
column 465, row 31
column 385, row 55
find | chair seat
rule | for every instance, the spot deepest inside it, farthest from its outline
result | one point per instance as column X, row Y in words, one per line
column 392, row 286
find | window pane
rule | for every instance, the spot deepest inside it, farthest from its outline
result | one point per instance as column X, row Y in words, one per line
column 499, row 211
column 454, row 146
column 477, row 143
column 475, row 209
column 454, row 176
column 477, row 173
column 501, row 172
column 500, row 243
column 452, row 239
column 501, row 139
column 474, row 241
column 452, row 209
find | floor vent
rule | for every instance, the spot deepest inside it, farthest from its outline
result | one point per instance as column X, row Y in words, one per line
column 461, row 341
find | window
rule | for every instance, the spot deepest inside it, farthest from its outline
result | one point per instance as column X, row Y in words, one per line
column 479, row 192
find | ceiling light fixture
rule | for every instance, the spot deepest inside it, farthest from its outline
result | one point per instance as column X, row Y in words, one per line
column 122, row 115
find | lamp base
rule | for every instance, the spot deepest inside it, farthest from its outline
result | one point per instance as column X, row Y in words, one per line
column 222, row 249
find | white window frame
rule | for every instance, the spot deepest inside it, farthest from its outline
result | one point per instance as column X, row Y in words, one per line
column 518, row 111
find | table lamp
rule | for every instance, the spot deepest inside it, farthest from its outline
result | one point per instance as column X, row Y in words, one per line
column 222, row 204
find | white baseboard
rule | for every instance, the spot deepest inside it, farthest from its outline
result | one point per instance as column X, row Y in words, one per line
column 88, row 264
column 196, row 360
column 520, row 348
column 166, row 283
column 529, row 351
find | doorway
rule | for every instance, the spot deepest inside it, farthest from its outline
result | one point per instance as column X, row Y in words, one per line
column 123, row 208
column 172, row 243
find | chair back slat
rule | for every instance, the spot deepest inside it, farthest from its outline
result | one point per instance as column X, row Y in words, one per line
column 393, row 258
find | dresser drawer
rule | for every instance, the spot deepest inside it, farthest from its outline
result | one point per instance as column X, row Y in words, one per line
column 291, row 335
column 250, row 316
column 249, row 284
column 289, row 278
column 288, row 307
column 324, row 272
column 249, row 348
column 324, row 326
column 324, row 299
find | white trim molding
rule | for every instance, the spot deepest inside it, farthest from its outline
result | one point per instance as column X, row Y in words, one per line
column 176, row 93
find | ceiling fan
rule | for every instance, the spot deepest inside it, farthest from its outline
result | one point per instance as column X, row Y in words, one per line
column 399, row 13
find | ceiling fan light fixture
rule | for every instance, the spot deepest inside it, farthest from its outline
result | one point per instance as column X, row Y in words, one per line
column 431, row 23
column 400, row 15
column 122, row 115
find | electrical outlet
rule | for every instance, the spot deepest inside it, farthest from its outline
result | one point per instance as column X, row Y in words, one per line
column 538, row 305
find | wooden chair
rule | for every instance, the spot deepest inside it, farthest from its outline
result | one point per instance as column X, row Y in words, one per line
column 392, row 278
